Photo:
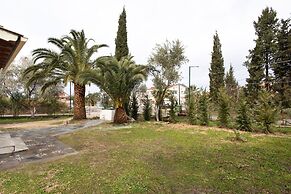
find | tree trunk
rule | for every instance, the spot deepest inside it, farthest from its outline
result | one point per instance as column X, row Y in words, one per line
column 120, row 116
column 79, row 102
column 32, row 112
column 157, row 113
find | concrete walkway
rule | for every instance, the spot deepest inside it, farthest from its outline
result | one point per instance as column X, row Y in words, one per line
column 42, row 144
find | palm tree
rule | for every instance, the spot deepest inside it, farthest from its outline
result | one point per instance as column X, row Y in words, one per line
column 73, row 57
column 117, row 79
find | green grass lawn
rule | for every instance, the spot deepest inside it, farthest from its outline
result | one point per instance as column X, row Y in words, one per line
column 160, row 158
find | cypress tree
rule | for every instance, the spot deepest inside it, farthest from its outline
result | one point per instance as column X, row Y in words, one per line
column 193, row 105
column 282, row 66
column 173, row 109
column 231, row 84
column 216, row 71
column 134, row 107
column 146, row 108
column 203, row 109
column 263, row 55
column 121, row 48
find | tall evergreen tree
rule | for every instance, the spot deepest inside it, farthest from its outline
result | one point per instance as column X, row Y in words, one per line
column 231, row 84
column 263, row 55
column 121, row 48
column 282, row 66
column 216, row 71
column 256, row 74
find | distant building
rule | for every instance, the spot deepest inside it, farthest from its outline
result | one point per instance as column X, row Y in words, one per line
column 65, row 98
column 179, row 92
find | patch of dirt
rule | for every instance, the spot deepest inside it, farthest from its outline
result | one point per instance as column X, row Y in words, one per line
column 51, row 187
column 36, row 124
column 270, row 135
column 182, row 126
column 163, row 126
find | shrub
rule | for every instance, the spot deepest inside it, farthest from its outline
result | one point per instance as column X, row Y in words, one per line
column 243, row 120
column 203, row 109
column 223, row 109
column 4, row 105
column 266, row 111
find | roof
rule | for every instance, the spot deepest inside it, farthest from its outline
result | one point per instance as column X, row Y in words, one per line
column 10, row 45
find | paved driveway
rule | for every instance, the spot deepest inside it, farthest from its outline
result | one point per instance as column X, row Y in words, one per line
column 42, row 144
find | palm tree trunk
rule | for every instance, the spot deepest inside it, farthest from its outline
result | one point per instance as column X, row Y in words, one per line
column 79, row 102
column 120, row 116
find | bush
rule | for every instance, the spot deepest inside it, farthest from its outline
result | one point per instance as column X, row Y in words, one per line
column 4, row 105
column 52, row 106
column 17, row 100
column 192, row 112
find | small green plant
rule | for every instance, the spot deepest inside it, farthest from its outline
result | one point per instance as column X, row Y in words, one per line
column 223, row 109
column 238, row 136
column 266, row 111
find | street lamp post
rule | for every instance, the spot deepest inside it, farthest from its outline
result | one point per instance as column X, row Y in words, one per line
column 189, row 90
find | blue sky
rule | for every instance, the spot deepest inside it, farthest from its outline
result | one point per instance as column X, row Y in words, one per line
column 148, row 22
